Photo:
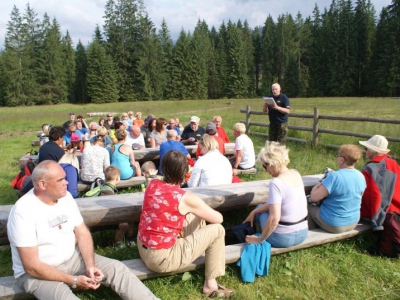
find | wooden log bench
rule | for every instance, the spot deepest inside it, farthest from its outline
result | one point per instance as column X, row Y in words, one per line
column 247, row 171
column 114, row 209
column 9, row 290
column 141, row 155
column 133, row 181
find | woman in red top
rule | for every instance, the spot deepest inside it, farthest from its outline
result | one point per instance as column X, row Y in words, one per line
column 172, row 229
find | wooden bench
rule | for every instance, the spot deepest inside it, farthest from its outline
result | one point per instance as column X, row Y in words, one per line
column 247, row 171
column 8, row 290
column 114, row 209
column 141, row 155
column 133, row 181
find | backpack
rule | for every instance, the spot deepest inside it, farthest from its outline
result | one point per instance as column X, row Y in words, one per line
column 23, row 181
column 389, row 240
column 98, row 186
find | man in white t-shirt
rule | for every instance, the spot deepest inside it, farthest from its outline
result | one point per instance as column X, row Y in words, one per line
column 244, row 157
column 42, row 228
column 135, row 138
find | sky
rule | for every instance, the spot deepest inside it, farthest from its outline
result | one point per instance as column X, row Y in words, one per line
column 80, row 17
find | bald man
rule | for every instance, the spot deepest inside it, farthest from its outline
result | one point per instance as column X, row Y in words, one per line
column 42, row 228
column 171, row 144
column 278, row 115
column 135, row 138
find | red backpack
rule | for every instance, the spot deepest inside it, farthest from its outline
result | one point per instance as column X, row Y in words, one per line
column 21, row 180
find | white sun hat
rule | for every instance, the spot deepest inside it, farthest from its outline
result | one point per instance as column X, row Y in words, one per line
column 377, row 143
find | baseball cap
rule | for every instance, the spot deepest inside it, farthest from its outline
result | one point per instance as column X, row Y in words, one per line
column 194, row 119
column 211, row 128
column 75, row 137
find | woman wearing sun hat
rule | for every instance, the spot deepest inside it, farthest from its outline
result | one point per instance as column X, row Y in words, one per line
column 382, row 175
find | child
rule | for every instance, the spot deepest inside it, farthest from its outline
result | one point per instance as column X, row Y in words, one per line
column 112, row 176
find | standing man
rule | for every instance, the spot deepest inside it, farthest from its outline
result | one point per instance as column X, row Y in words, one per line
column 192, row 132
column 71, row 119
column 278, row 115
column 42, row 228
column 220, row 130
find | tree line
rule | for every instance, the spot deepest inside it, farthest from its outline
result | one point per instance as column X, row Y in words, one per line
column 343, row 50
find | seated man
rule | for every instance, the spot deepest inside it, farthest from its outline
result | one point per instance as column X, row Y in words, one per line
column 244, row 157
column 382, row 175
column 42, row 228
column 172, row 125
column 144, row 129
column 52, row 150
column 171, row 144
column 220, row 130
column 192, row 132
column 71, row 119
column 67, row 137
column 135, row 138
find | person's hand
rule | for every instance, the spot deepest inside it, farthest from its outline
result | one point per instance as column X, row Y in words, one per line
column 234, row 171
column 250, row 218
column 265, row 107
column 252, row 239
column 95, row 274
column 86, row 283
column 191, row 139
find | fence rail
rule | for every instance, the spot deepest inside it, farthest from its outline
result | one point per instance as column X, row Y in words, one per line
column 315, row 128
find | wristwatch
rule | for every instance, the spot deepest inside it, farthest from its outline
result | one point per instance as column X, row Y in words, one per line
column 75, row 281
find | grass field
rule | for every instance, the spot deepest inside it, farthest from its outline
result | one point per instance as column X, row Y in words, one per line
column 340, row 270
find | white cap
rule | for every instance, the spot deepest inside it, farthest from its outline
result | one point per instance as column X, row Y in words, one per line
column 194, row 119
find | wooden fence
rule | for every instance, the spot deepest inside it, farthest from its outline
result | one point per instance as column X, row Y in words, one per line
column 315, row 128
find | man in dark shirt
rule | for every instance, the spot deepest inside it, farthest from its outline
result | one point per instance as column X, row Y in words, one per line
column 192, row 132
column 52, row 150
column 278, row 115
column 71, row 119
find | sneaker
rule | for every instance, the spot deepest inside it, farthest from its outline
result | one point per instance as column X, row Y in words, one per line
column 119, row 246
column 130, row 243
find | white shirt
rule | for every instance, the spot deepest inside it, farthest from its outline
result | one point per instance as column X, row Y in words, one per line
column 213, row 168
column 33, row 223
column 131, row 140
column 245, row 144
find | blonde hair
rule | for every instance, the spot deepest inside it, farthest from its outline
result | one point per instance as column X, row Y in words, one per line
column 274, row 154
column 239, row 127
column 111, row 173
column 208, row 142
column 101, row 130
column 350, row 153
column 70, row 158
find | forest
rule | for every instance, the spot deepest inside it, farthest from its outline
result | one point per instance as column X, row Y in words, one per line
column 346, row 49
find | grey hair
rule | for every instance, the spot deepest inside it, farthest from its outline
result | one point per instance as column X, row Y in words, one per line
column 274, row 154
column 41, row 171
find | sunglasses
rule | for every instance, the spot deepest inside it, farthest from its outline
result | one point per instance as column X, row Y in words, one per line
column 366, row 149
column 339, row 155
column 265, row 166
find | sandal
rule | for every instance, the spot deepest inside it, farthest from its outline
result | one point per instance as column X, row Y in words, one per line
column 221, row 293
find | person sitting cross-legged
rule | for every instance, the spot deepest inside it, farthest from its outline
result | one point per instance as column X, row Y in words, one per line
column 52, row 249
column 172, row 229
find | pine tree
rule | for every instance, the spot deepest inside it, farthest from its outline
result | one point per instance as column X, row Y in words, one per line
column 68, row 56
column 164, row 36
column 269, row 55
column 101, row 79
column 80, row 74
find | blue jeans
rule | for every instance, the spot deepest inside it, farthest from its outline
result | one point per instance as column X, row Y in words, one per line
column 279, row 240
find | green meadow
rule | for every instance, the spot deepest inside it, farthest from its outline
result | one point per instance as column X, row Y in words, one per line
column 340, row 270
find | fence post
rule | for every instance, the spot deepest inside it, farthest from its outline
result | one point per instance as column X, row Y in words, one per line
column 315, row 127
column 247, row 119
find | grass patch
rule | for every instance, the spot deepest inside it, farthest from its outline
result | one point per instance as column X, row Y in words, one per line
column 340, row 270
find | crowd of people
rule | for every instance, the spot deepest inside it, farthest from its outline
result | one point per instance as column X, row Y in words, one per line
column 176, row 226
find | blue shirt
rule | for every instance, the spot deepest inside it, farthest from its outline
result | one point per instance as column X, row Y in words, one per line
column 178, row 130
column 168, row 146
column 342, row 206
column 67, row 136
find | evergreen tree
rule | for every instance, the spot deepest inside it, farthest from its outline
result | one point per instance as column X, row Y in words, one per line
column 68, row 56
column 249, row 54
column 269, row 55
column 394, row 72
column 238, row 80
column 80, row 74
column 257, row 56
column 101, row 79
column 165, row 39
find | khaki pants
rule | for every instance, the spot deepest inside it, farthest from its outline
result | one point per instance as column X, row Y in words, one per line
column 315, row 220
column 278, row 133
column 198, row 238
column 116, row 275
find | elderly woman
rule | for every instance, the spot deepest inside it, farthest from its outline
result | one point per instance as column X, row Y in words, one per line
column 159, row 135
column 212, row 168
column 340, row 193
column 283, row 218
column 123, row 158
column 172, row 230
column 94, row 160
column 102, row 131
